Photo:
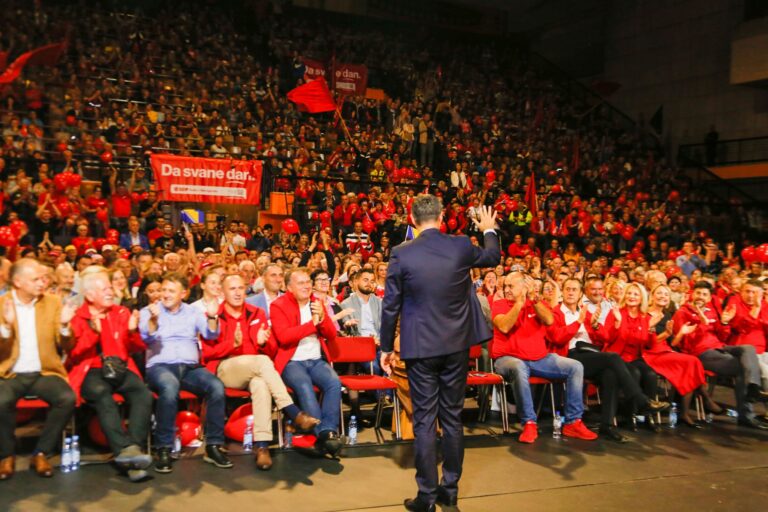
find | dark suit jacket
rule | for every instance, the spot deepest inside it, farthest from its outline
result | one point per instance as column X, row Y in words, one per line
column 429, row 287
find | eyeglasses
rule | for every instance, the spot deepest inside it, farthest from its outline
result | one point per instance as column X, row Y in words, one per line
column 322, row 279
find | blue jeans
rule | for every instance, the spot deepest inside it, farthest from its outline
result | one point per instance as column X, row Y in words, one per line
column 301, row 376
column 167, row 380
column 516, row 371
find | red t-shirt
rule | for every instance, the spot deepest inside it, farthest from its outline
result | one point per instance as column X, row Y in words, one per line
column 526, row 339
column 121, row 206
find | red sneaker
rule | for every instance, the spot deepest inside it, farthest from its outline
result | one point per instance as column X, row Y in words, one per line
column 530, row 433
column 579, row 430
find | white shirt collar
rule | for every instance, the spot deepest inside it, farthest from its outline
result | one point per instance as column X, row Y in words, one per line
column 18, row 302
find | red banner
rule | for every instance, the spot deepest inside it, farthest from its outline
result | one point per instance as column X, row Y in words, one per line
column 350, row 79
column 313, row 69
column 207, row 180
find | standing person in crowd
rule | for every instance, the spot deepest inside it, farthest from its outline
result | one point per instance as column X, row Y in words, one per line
column 240, row 357
column 429, row 289
column 706, row 341
column 519, row 350
column 106, row 333
column 302, row 330
column 170, row 328
column 34, row 329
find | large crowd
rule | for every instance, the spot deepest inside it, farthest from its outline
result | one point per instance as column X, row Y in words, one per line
column 612, row 257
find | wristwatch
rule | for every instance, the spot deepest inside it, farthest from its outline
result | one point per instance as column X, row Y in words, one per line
column 214, row 317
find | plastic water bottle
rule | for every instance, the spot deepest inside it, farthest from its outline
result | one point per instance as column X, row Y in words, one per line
column 732, row 413
column 75, row 465
column 248, row 434
column 709, row 418
column 673, row 416
column 352, row 431
column 288, row 436
column 557, row 425
column 66, row 456
column 176, row 451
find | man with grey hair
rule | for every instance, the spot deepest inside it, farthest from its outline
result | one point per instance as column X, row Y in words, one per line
column 428, row 287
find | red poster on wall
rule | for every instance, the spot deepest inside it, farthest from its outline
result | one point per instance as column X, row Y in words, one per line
column 350, row 79
column 207, row 180
column 313, row 69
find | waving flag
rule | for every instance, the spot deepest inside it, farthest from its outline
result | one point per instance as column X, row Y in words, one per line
column 190, row 216
column 530, row 196
column 313, row 97
column 44, row 56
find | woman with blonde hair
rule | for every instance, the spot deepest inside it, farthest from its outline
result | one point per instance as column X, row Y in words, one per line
column 381, row 277
column 123, row 296
column 627, row 331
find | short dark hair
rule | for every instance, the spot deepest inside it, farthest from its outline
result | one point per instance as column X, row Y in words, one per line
column 754, row 282
column 364, row 270
column 317, row 273
column 703, row 284
column 426, row 208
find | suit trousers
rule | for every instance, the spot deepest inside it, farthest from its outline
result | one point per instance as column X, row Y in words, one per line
column 53, row 390
column 258, row 374
column 437, row 386
column 611, row 374
column 740, row 362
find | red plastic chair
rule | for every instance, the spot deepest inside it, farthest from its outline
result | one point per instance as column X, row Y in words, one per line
column 31, row 403
column 361, row 349
column 533, row 381
column 484, row 380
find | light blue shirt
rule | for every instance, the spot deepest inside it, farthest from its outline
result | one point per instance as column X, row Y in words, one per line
column 367, row 327
column 176, row 339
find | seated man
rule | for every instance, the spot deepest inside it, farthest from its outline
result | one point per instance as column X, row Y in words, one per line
column 273, row 281
column 240, row 357
column 750, row 322
column 301, row 329
column 709, row 330
column 569, row 336
column 170, row 328
column 34, row 328
column 105, row 330
column 520, row 351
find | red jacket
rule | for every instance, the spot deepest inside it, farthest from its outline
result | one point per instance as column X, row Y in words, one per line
column 709, row 336
column 747, row 330
column 631, row 338
column 559, row 334
column 114, row 340
column 251, row 322
column 288, row 330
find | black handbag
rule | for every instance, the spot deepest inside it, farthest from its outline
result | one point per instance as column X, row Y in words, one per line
column 113, row 369
column 583, row 346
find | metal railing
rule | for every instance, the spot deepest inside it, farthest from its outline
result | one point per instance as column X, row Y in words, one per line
column 727, row 152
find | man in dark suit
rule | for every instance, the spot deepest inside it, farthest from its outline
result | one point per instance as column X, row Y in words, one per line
column 429, row 288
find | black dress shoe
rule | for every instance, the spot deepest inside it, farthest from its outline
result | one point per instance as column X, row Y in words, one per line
column 164, row 464
column 330, row 443
column 214, row 455
column 612, row 434
column 445, row 498
column 692, row 424
column 416, row 505
column 751, row 423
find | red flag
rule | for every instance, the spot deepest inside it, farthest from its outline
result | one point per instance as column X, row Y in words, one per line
column 313, row 97
column 43, row 56
column 530, row 196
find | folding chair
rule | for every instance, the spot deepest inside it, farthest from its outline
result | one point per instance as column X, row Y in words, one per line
column 483, row 381
column 360, row 349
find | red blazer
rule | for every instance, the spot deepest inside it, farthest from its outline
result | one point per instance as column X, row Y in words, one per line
column 115, row 340
column 251, row 322
column 631, row 338
column 747, row 330
column 559, row 334
column 288, row 330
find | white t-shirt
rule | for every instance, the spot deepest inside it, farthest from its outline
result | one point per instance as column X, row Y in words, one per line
column 309, row 347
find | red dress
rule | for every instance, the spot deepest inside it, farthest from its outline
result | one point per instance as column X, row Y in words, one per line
column 634, row 340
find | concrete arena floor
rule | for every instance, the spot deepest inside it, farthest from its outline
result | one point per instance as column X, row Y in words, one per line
column 722, row 467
